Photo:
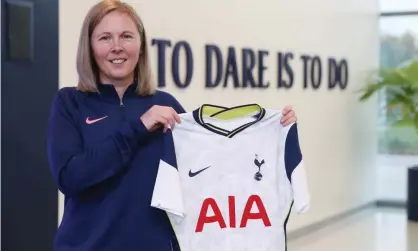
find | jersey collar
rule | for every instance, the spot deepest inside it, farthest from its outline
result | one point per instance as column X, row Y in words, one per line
column 227, row 113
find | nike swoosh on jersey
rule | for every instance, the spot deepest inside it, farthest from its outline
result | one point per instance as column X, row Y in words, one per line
column 192, row 174
column 89, row 122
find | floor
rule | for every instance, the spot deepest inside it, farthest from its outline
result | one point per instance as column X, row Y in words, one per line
column 371, row 230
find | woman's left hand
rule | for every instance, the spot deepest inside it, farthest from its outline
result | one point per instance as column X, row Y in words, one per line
column 289, row 116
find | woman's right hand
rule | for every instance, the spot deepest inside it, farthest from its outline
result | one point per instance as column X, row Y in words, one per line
column 158, row 116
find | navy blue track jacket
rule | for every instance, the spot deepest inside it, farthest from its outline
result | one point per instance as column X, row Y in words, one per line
column 105, row 162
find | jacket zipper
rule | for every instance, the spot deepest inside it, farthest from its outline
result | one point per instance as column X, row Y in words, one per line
column 121, row 106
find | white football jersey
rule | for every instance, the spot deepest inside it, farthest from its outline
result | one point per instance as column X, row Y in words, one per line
column 229, row 178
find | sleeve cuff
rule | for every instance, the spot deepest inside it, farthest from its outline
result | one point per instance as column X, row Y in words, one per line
column 139, row 127
column 167, row 193
column 302, row 208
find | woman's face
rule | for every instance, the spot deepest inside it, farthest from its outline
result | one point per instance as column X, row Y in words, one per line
column 116, row 45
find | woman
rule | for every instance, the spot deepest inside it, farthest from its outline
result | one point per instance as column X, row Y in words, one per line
column 105, row 139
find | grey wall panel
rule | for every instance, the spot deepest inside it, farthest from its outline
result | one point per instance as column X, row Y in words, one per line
column 29, row 80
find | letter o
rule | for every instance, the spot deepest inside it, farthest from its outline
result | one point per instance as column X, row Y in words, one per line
column 316, row 67
column 342, row 71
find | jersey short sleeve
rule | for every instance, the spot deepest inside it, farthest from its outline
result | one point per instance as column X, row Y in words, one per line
column 167, row 189
column 295, row 168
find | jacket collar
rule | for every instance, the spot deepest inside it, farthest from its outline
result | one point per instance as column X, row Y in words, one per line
column 109, row 89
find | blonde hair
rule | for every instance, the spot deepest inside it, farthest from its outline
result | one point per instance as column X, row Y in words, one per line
column 87, row 69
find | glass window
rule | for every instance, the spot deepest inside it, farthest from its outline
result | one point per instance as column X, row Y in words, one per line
column 398, row 46
column 399, row 40
column 398, row 5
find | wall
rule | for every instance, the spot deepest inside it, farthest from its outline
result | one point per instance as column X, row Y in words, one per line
column 336, row 132
column 29, row 196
